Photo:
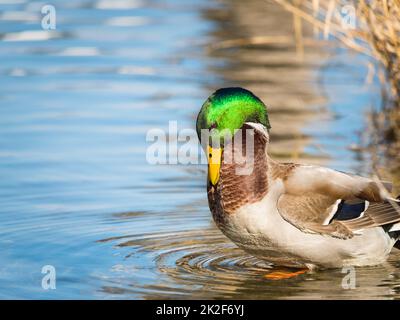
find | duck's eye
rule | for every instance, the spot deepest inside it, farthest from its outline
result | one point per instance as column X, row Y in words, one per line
column 210, row 155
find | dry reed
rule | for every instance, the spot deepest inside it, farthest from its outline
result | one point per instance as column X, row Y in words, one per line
column 370, row 27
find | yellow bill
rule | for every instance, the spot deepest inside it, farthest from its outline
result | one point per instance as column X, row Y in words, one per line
column 214, row 163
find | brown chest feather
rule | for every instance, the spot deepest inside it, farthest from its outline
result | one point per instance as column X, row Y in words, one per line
column 235, row 189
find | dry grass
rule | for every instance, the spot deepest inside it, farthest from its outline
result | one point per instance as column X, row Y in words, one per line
column 372, row 28
column 369, row 27
column 374, row 32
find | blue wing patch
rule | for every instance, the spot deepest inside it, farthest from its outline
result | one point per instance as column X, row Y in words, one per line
column 349, row 210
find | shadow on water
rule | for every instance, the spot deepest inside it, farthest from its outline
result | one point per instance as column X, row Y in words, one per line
column 76, row 191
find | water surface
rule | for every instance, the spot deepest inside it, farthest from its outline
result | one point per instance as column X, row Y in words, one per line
column 76, row 191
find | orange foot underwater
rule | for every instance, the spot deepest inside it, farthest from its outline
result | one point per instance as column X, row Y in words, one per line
column 284, row 274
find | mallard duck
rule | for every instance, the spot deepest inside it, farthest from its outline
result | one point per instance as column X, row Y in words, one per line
column 291, row 214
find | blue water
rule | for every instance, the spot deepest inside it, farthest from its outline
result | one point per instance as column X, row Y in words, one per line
column 76, row 191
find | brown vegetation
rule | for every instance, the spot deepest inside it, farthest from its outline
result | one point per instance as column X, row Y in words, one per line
column 370, row 27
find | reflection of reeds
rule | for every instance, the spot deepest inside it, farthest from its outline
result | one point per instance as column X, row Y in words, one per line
column 370, row 27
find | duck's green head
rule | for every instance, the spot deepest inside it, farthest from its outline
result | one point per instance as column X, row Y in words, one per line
column 228, row 109
column 225, row 111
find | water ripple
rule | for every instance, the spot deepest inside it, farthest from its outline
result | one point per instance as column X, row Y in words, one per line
column 204, row 264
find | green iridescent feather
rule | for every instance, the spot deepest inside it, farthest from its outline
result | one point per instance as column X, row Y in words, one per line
column 230, row 108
